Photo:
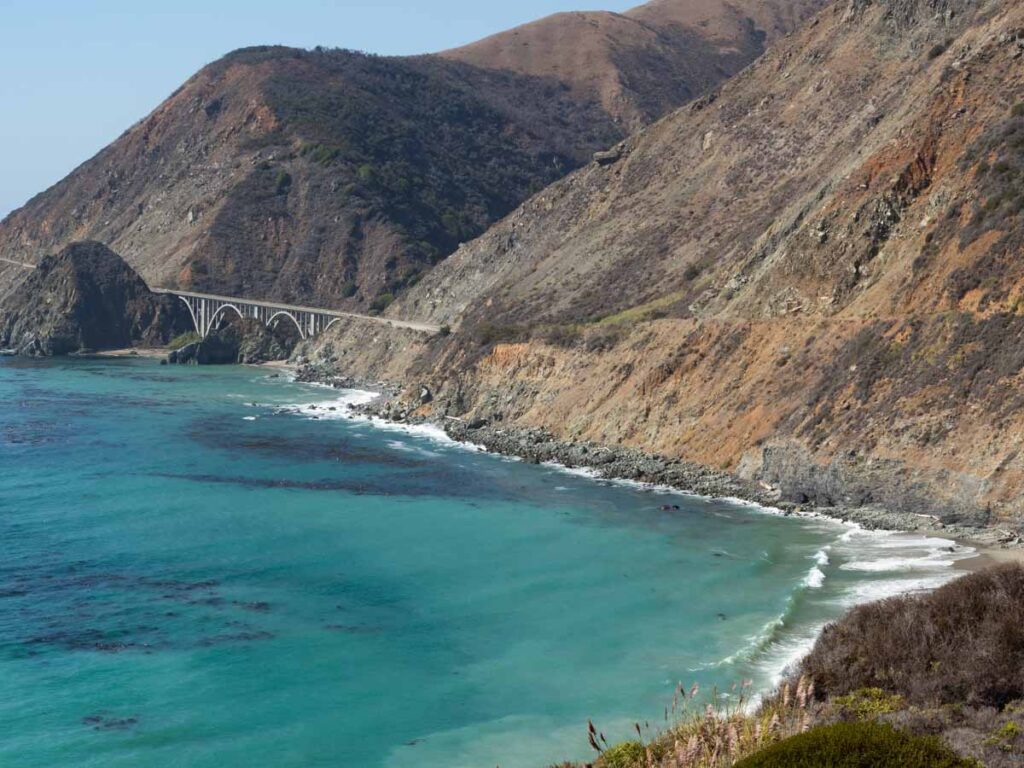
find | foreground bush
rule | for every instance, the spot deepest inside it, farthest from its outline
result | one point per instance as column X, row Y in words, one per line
column 701, row 735
column 857, row 745
column 625, row 755
column 962, row 644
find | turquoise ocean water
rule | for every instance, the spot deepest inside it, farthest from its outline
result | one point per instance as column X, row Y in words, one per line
column 193, row 574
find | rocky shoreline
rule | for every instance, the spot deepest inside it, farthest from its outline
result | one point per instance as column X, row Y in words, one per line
column 539, row 446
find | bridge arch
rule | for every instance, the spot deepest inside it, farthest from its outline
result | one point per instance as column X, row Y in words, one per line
column 192, row 312
column 213, row 318
column 286, row 313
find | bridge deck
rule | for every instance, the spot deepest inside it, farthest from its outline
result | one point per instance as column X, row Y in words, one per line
column 410, row 324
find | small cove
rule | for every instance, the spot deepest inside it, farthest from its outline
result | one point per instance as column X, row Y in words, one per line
column 193, row 573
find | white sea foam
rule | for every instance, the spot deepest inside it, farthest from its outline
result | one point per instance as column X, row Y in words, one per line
column 942, row 559
column 341, row 408
column 815, row 578
column 249, row 418
column 879, row 590
column 783, row 656
column 900, row 563
column 399, row 445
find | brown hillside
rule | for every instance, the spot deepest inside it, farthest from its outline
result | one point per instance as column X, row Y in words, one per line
column 812, row 278
column 324, row 176
column 641, row 64
column 336, row 178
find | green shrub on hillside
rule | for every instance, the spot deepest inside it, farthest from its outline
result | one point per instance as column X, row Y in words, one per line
column 283, row 182
column 382, row 302
column 184, row 340
column 868, row 703
column 628, row 754
column 857, row 745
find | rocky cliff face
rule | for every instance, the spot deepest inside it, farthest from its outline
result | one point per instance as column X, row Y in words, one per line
column 86, row 297
column 811, row 278
column 339, row 179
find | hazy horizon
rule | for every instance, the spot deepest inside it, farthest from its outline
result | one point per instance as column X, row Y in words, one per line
column 78, row 77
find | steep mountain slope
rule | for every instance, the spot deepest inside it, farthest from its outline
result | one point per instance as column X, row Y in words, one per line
column 313, row 175
column 812, row 278
column 645, row 62
column 336, row 178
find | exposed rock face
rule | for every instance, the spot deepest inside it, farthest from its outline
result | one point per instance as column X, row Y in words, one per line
column 811, row 279
column 84, row 298
column 338, row 179
column 245, row 341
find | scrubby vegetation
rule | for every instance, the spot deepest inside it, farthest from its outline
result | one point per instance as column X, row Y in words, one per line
column 184, row 339
column 701, row 735
column 440, row 148
column 997, row 160
column 962, row 644
column 857, row 745
column 382, row 302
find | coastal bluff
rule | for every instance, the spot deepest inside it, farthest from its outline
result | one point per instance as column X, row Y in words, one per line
column 86, row 298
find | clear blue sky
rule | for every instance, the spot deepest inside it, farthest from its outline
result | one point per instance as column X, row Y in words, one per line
column 74, row 74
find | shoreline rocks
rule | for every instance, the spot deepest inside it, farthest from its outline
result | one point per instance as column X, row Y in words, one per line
column 618, row 463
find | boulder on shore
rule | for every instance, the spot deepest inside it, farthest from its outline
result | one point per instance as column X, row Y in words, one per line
column 87, row 298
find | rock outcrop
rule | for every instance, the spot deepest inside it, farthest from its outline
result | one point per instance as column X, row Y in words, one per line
column 86, row 298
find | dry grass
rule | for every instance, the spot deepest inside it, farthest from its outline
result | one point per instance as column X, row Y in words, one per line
column 701, row 735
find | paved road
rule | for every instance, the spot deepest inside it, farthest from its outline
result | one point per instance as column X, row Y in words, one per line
column 18, row 263
column 410, row 324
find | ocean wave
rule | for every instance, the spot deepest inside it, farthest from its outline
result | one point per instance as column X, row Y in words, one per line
column 755, row 643
column 781, row 657
column 871, row 591
column 815, row 578
column 773, row 631
column 932, row 560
